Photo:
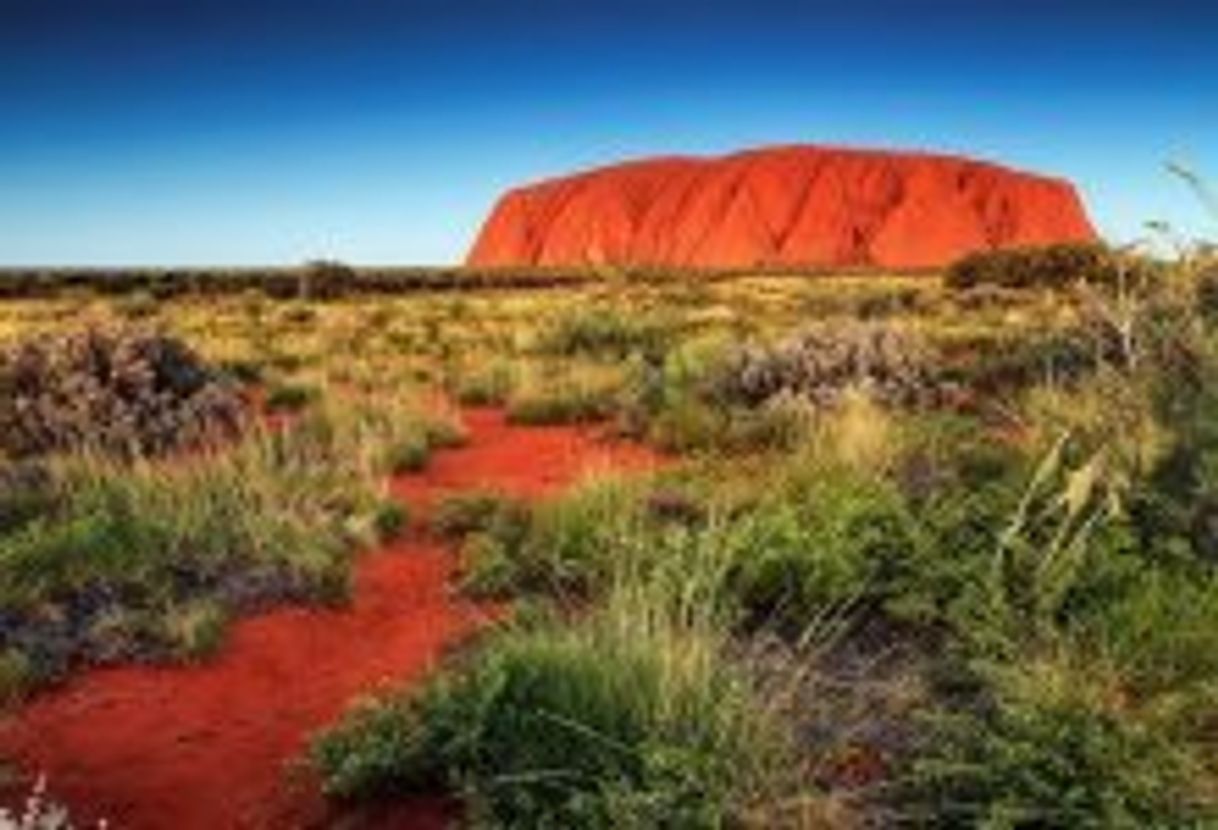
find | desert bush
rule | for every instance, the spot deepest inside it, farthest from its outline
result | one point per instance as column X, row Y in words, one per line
column 1158, row 626
column 138, row 306
column 1000, row 364
column 666, row 403
column 604, row 333
column 298, row 314
column 571, row 545
column 1106, row 409
column 409, row 447
column 121, row 392
column 390, row 519
column 482, row 511
column 1056, row 266
column 571, row 397
column 27, row 491
column 1054, row 755
column 888, row 302
column 325, row 279
column 822, row 363
column 384, row 433
column 632, row 716
column 196, row 628
column 290, row 397
column 490, row 386
column 1207, row 292
column 692, row 426
column 243, row 370
column 15, row 676
column 443, row 430
column 840, row 540
column 410, row 455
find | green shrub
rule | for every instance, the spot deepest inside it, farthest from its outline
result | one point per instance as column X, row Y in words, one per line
column 324, row 279
column 489, row 567
column 573, row 542
column 390, row 520
column 290, row 397
column 1207, row 293
column 627, row 718
column 842, row 540
column 1056, row 760
column 444, row 432
column 410, row 455
column 570, row 545
column 688, row 425
column 1056, row 266
column 490, row 386
column 563, row 401
column 1013, row 362
column 195, row 629
column 138, row 306
column 482, row 511
column 27, row 492
column 299, row 314
column 245, row 371
column 378, row 749
column 412, row 449
column 1157, row 624
column 15, row 676
column 604, row 333
column 692, row 425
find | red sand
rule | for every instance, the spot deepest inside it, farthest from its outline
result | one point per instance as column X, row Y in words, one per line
column 216, row 745
column 799, row 205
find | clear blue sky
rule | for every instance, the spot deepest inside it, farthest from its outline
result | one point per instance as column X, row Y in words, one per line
column 244, row 132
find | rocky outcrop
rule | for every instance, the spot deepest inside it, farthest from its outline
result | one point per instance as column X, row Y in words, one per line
column 782, row 206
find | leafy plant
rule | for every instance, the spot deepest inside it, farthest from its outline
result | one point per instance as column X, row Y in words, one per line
column 1061, row 762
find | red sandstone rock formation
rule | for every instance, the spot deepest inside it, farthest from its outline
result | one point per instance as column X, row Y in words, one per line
column 801, row 205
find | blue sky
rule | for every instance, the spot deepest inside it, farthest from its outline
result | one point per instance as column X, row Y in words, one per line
column 376, row 132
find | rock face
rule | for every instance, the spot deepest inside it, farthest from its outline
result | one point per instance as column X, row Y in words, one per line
column 782, row 206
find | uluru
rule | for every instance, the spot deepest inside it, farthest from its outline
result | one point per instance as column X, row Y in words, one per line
column 789, row 206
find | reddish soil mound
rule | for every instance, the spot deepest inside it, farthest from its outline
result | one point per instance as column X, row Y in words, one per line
column 213, row 746
column 802, row 205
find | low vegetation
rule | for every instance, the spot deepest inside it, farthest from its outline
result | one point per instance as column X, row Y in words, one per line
column 135, row 525
column 924, row 555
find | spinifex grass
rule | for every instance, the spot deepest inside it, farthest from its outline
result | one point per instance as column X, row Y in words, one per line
column 148, row 557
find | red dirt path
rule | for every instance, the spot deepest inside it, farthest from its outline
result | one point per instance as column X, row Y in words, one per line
column 215, row 745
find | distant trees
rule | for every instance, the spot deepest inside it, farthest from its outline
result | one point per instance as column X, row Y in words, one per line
column 324, row 279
